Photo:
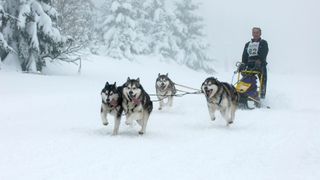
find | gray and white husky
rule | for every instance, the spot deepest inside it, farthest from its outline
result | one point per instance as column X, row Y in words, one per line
column 111, row 104
column 220, row 96
column 136, row 103
column 165, row 88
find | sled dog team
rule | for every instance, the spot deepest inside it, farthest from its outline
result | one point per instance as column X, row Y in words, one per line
column 132, row 100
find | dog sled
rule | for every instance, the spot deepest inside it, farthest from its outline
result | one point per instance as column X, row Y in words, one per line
column 249, row 86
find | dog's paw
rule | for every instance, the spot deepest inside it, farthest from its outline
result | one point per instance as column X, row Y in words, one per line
column 141, row 132
column 105, row 123
column 228, row 123
column 129, row 123
column 160, row 108
column 114, row 133
column 213, row 118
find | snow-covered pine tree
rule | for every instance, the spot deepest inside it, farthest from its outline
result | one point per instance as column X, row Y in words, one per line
column 143, row 27
column 34, row 34
column 157, row 27
column 4, row 47
column 188, row 28
column 76, row 19
column 119, row 28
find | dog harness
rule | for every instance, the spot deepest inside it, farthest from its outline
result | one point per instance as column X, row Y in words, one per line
column 136, row 101
column 214, row 97
column 218, row 104
column 221, row 86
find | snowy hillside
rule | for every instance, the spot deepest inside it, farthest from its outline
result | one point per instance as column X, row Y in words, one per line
column 51, row 128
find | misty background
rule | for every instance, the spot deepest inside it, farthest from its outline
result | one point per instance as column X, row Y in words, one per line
column 290, row 27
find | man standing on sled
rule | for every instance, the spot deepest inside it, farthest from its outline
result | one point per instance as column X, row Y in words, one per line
column 254, row 56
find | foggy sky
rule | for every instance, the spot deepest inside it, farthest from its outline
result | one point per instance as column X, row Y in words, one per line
column 290, row 27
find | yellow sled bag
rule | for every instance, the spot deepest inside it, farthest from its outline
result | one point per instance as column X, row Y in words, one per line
column 242, row 86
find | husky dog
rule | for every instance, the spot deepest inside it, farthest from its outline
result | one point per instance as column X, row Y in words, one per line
column 111, row 104
column 136, row 103
column 220, row 96
column 165, row 88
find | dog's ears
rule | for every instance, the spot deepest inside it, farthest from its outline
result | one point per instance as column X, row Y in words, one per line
column 167, row 74
column 214, row 78
column 217, row 80
column 115, row 84
column 128, row 79
column 159, row 75
column 107, row 83
column 138, row 79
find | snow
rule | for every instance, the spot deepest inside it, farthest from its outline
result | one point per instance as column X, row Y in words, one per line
column 24, row 9
column 52, row 12
column 3, row 43
column 31, row 29
column 51, row 128
column 44, row 21
column 115, row 6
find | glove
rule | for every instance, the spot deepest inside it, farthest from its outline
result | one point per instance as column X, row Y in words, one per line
column 258, row 64
column 242, row 67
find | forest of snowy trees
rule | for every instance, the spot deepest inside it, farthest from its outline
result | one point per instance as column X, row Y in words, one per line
column 42, row 31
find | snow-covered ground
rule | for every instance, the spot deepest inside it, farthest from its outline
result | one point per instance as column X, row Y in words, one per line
column 50, row 128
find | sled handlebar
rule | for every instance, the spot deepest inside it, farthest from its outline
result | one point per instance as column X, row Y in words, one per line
column 250, row 71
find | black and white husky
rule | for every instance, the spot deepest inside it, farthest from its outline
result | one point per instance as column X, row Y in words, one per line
column 136, row 103
column 220, row 96
column 165, row 88
column 111, row 104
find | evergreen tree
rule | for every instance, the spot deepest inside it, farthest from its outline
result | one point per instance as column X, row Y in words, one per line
column 120, row 31
column 34, row 34
column 76, row 19
column 4, row 47
column 143, row 27
column 188, row 28
column 158, row 27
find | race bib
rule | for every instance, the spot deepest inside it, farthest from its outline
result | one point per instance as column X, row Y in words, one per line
column 253, row 48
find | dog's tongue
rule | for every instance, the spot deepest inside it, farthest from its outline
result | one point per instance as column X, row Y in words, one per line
column 207, row 93
column 113, row 103
column 135, row 101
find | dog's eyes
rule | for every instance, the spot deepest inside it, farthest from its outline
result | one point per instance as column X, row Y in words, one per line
column 111, row 93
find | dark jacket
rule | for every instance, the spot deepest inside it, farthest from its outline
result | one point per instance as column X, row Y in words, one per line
column 262, row 52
